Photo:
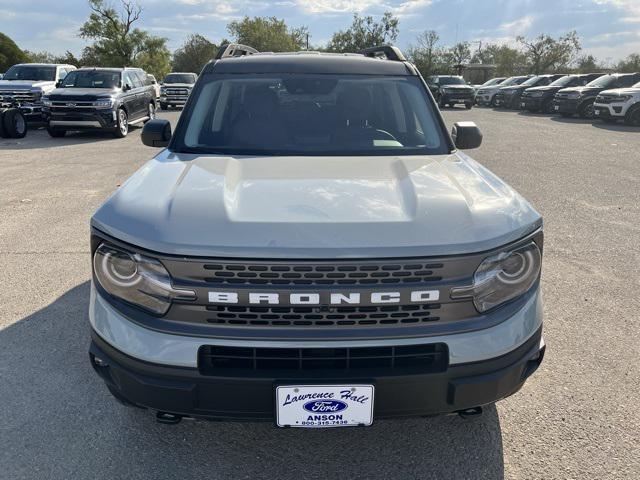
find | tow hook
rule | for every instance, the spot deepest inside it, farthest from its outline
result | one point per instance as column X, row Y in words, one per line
column 470, row 412
column 168, row 418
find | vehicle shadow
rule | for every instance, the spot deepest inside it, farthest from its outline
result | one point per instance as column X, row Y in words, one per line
column 58, row 418
column 615, row 127
column 561, row 119
column 37, row 137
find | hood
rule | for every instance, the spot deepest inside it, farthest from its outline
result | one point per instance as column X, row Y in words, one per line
column 178, row 85
column 622, row 91
column 81, row 93
column 582, row 89
column 315, row 207
column 25, row 84
column 545, row 88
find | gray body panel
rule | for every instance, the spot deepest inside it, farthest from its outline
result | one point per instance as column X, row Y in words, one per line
column 315, row 207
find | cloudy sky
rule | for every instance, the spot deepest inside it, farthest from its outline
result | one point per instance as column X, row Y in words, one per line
column 610, row 29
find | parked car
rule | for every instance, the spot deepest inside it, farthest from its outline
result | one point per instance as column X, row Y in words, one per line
column 619, row 104
column 509, row 97
column 110, row 99
column 489, row 83
column 311, row 248
column 540, row 99
column 449, row 90
column 486, row 95
column 156, row 86
column 176, row 88
column 579, row 100
column 24, row 85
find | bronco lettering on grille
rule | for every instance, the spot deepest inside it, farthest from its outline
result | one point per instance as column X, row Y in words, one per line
column 324, row 298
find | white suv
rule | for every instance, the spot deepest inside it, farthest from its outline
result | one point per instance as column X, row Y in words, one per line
column 619, row 104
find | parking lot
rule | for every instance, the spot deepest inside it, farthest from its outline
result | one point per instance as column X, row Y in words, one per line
column 576, row 418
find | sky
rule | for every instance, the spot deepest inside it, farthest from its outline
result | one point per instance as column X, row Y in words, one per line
column 609, row 29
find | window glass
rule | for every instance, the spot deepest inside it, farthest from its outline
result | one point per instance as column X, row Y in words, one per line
column 309, row 114
column 92, row 79
column 30, row 72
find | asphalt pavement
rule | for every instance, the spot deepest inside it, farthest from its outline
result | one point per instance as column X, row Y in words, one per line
column 578, row 417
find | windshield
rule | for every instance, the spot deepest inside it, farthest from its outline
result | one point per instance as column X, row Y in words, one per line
column 180, row 78
column 91, row 79
column 493, row 81
column 530, row 82
column 451, row 81
column 603, row 82
column 310, row 114
column 513, row 81
column 31, row 72
column 564, row 81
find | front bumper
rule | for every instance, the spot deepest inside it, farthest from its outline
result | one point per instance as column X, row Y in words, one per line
column 453, row 98
column 81, row 119
column 484, row 99
column 610, row 110
column 566, row 106
column 532, row 103
column 173, row 100
column 161, row 371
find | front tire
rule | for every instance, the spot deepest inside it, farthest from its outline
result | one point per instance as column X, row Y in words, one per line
column 56, row 132
column 632, row 117
column 468, row 106
column 586, row 110
column 547, row 107
column 14, row 123
column 122, row 129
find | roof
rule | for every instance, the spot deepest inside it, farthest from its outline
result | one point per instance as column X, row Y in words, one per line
column 111, row 69
column 309, row 62
column 43, row 65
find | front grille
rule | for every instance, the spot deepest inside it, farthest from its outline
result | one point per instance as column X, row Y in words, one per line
column 20, row 96
column 177, row 91
column 222, row 360
column 322, row 274
column 323, row 316
column 71, row 105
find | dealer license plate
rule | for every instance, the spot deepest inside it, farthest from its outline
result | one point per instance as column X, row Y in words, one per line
column 556, row 107
column 522, row 104
column 596, row 112
column 321, row 406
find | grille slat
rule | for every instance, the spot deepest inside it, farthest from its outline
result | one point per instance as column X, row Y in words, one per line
column 330, row 316
column 359, row 274
column 219, row 360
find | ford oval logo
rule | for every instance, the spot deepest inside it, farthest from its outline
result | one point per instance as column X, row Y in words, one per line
column 325, row 406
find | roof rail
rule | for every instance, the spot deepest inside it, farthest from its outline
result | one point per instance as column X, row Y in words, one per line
column 388, row 51
column 234, row 50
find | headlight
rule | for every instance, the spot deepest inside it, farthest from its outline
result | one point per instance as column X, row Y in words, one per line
column 107, row 103
column 136, row 279
column 502, row 277
column 37, row 94
column 46, row 102
column 623, row 98
column 573, row 95
column 536, row 94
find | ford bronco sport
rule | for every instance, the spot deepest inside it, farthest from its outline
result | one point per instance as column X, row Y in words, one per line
column 313, row 248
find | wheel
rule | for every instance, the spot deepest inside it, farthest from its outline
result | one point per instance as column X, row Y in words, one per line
column 3, row 134
column 586, row 109
column 633, row 116
column 14, row 123
column 56, row 132
column 151, row 112
column 468, row 105
column 164, row 106
column 123, row 124
column 547, row 106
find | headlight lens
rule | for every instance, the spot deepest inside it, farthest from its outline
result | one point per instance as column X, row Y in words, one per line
column 136, row 279
column 502, row 277
column 46, row 102
column 623, row 98
column 106, row 103
column 536, row 94
column 573, row 95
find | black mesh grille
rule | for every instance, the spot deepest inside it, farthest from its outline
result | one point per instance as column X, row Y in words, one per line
column 317, row 274
column 219, row 360
column 323, row 316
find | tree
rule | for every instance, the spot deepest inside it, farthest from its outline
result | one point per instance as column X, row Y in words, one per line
column 10, row 54
column 547, row 55
column 365, row 32
column 268, row 34
column 48, row 57
column 460, row 53
column 117, row 43
column 508, row 60
column 194, row 54
column 587, row 64
column 426, row 55
column 630, row 64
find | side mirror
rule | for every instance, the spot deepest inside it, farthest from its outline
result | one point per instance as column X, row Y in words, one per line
column 156, row 133
column 58, row 83
column 466, row 135
column 126, row 87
